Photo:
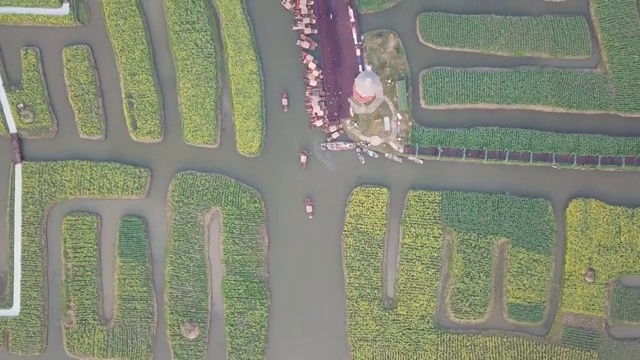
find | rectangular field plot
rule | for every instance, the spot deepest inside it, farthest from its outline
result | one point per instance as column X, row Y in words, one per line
column 545, row 89
column 596, row 236
column 84, row 91
column 141, row 99
column 45, row 184
column 196, row 54
column 130, row 335
column 408, row 330
column 540, row 36
column 610, row 90
column 625, row 304
column 29, row 101
column 78, row 14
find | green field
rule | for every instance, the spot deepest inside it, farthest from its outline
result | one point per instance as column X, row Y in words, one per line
column 36, row 118
column 244, row 76
column 86, row 333
column 482, row 220
column 610, row 91
column 408, row 331
column 44, row 185
column 83, row 88
column 366, row 6
column 539, row 36
column 141, row 98
column 625, row 304
column 196, row 54
column 244, row 287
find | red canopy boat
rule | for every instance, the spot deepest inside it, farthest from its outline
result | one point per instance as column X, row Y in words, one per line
column 308, row 207
column 303, row 159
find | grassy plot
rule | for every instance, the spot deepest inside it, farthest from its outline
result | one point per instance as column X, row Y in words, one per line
column 45, row 184
column 366, row 6
column 480, row 220
column 196, row 54
column 244, row 76
column 140, row 93
column 29, row 102
column 612, row 91
column 245, row 293
column 86, row 334
column 409, row 330
column 558, row 37
column 525, row 140
column 83, row 88
column 78, row 14
column 546, row 89
column 625, row 304
column 602, row 237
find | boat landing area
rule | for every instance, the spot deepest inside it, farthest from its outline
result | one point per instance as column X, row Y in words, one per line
column 337, row 55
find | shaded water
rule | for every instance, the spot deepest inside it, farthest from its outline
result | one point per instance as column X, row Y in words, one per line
column 307, row 318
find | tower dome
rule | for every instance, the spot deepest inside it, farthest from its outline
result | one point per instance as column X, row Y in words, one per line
column 366, row 85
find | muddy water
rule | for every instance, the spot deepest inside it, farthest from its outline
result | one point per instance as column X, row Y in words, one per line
column 305, row 265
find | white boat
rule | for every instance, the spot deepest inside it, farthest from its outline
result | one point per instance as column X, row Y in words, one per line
column 415, row 160
column 360, row 156
column 338, row 146
column 393, row 157
column 372, row 153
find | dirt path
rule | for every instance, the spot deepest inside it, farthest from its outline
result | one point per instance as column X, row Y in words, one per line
column 217, row 342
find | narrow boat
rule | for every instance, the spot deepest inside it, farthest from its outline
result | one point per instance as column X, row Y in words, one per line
column 303, row 159
column 308, row 207
column 415, row 160
column 360, row 156
column 337, row 146
column 285, row 101
column 372, row 153
column 393, row 157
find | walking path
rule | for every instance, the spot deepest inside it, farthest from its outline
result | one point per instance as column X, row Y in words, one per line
column 17, row 214
column 14, row 10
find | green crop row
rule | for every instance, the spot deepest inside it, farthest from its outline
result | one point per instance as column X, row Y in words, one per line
column 86, row 333
column 540, row 36
column 141, row 99
column 44, row 185
column 618, row 28
column 528, row 277
column 79, row 13
column 625, row 304
column 524, row 140
column 29, row 102
column 83, row 88
column 409, row 331
column 596, row 236
column 523, row 88
column 244, row 76
column 366, row 6
column 196, row 54
column 244, row 287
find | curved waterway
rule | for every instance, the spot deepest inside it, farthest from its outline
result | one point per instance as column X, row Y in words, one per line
column 307, row 314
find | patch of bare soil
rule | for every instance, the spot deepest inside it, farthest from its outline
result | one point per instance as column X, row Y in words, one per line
column 70, row 319
column 582, row 321
column 190, row 331
column 590, row 275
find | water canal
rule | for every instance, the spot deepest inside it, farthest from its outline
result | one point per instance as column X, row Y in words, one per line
column 307, row 315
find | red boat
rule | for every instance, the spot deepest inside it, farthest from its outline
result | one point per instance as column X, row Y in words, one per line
column 303, row 159
column 308, row 207
column 285, row 101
